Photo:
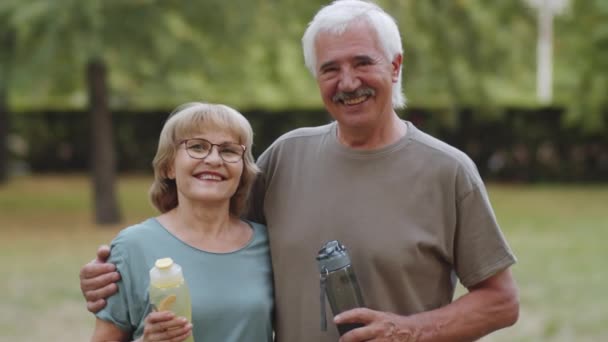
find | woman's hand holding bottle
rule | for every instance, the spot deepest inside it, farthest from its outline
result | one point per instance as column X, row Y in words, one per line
column 164, row 326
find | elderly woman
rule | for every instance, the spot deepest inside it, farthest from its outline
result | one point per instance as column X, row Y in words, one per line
column 203, row 172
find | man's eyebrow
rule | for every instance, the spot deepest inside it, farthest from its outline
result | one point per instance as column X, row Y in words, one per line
column 357, row 58
column 364, row 58
column 327, row 64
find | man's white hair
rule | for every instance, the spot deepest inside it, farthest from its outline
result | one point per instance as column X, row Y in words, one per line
column 337, row 16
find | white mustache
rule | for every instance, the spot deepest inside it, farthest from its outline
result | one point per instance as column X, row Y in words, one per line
column 344, row 95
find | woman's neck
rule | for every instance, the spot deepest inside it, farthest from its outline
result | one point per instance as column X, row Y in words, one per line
column 210, row 220
column 209, row 228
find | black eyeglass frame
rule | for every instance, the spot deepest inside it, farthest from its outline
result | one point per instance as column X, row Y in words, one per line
column 185, row 142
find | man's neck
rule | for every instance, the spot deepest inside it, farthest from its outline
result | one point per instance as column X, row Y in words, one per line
column 371, row 138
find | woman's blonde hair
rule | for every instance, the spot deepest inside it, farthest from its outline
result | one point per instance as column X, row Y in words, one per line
column 185, row 122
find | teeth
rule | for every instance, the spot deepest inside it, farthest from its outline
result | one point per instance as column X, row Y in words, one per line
column 210, row 177
column 356, row 100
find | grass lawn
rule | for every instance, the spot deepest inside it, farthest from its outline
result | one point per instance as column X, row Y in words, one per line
column 559, row 234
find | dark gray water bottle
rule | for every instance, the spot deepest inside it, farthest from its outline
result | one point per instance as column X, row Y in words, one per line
column 339, row 283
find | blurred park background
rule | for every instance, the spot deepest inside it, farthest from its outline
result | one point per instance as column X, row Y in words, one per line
column 85, row 86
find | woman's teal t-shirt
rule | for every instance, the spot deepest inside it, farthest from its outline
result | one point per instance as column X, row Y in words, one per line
column 232, row 295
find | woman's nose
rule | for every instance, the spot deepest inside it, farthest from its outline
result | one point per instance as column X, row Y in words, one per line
column 214, row 155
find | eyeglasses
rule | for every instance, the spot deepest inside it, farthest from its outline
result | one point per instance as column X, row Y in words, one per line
column 201, row 148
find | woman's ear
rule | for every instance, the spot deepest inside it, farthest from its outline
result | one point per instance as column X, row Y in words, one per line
column 170, row 173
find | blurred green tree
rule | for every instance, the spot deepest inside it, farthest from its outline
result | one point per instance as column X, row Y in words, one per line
column 67, row 37
column 71, row 46
column 461, row 53
column 464, row 53
column 582, row 64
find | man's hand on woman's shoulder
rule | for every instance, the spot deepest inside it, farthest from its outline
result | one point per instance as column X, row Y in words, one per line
column 97, row 280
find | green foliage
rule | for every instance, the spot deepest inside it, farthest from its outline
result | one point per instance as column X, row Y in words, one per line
column 582, row 50
column 142, row 42
column 7, row 46
column 462, row 53
column 247, row 53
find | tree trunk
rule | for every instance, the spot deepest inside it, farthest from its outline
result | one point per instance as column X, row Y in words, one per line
column 103, row 159
column 7, row 40
column 4, row 122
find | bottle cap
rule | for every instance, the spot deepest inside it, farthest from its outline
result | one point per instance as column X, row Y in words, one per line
column 163, row 263
column 332, row 256
column 166, row 273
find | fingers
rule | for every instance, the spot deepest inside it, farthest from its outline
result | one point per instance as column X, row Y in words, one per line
column 171, row 325
column 377, row 331
column 175, row 335
column 359, row 335
column 96, row 298
column 95, row 306
column 99, row 265
column 164, row 326
column 97, row 275
column 182, row 337
column 157, row 317
column 94, row 269
column 358, row 315
column 100, row 293
column 379, row 326
column 97, row 280
column 103, row 253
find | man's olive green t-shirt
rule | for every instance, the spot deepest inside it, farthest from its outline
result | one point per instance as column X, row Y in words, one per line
column 414, row 215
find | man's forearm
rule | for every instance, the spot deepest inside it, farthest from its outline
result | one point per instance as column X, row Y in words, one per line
column 490, row 306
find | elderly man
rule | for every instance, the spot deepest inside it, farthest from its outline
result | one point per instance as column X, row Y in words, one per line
column 412, row 210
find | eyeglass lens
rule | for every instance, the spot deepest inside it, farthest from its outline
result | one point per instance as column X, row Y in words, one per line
column 201, row 148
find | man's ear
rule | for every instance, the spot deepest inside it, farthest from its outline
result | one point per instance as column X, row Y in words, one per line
column 397, row 63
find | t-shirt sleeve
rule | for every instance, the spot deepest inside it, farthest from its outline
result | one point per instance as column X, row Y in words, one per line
column 255, row 208
column 127, row 308
column 481, row 249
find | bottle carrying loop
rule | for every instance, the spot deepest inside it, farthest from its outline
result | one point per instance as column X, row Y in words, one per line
column 323, row 277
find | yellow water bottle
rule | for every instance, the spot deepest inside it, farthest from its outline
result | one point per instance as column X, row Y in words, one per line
column 169, row 291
